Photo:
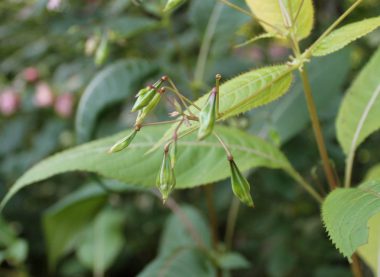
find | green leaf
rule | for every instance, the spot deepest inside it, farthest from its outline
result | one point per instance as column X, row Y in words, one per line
column 179, row 253
column 270, row 12
column 199, row 162
column 113, row 84
column 232, row 260
column 289, row 115
column 172, row 5
column 244, row 92
column 129, row 26
column 65, row 220
column 102, row 241
column 360, row 111
column 370, row 252
column 346, row 213
column 345, row 35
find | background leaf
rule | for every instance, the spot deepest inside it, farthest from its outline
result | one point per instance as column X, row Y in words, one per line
column 360, row 110
column 345, row 35
column 269, row 11
column 206, row 158
column 179, row 254
column 346, row 213
column 111, row 85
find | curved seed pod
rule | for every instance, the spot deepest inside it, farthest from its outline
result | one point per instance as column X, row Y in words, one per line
column 143, row 91
column 123, row 143
column 165, row 181
column 151, row 105
column 102, row 51
column 207, row 116
column 173, row 153
column 240, row 185
column 171, row 5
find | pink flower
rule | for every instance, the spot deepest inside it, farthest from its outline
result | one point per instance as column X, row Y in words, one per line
column 277, row 52
column 64, row 105
column 30, row 74
column 9, row 102
column 43, row 97
column 53, row 5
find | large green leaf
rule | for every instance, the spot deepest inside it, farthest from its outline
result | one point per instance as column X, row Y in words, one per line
column 270, row 11
column 244, row 92
column 198, row 162
column 102, row 241
column 345, row 35
column 111, row 85
column 288, row 116
column 346, row 213
column 360, row 111
column 185, row 237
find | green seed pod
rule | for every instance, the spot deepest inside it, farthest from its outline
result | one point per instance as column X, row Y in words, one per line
column 147, row 94
column 150, row 107
column 102, row 51
column 207, row 117
column 123, row 143
column 144, row 100
column 165, row 181
column 240, row 185
column 171, row 5
column 173, row 153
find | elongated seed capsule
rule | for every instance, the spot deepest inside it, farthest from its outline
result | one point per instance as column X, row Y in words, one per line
column 171, row 5
column 165, row 181
column 123, row 143
column 150, row 107
column 146, row 96
column 207, row 116
column 102, row 51
column 143, row 91
column 240, row 185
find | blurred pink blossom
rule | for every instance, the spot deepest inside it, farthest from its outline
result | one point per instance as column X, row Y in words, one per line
column 53, row 5
column 9, row 102
column 64, row 105
column 43, row 97
column 30, row 74
column 277, row 52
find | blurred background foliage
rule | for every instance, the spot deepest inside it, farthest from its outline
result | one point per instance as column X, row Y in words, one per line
column 68, row 73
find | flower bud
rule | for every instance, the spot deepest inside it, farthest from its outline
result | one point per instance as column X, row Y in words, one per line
column 171, row 5
column 64, row 105
column 240, row 185
column 165, row 181
column 123, row 143
column 102, row 51
column 207, row 116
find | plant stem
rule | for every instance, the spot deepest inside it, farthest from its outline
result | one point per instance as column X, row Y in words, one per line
column 209, row 189
column 355, row 266
column 317, row 130
column 231, row 222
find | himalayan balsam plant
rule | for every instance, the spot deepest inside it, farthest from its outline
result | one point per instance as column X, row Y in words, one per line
column 193, row 148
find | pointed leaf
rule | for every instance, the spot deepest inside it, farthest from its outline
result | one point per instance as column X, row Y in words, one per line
column 270, row 12
column 360, row 111
column 345, row 35
column 199, row 162
column 346, row 213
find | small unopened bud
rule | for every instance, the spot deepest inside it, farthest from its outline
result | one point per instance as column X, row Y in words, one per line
column 102, row 51
column 240, row 185
column 207, row 116
column 165, row 181
column 123, row 143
